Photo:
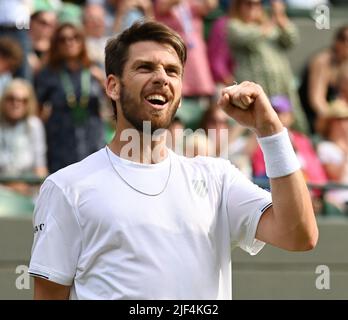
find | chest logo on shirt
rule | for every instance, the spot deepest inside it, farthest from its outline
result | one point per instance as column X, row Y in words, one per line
column 200, row 187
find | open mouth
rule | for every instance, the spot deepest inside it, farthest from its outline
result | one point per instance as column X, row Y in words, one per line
column 157, row 100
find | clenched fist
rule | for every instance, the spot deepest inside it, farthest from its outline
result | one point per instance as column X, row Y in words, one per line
column 248, row 104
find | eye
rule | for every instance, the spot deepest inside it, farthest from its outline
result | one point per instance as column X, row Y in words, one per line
column 172, row 71
column 144, row 68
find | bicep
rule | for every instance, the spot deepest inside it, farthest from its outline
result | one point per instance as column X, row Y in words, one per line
column 269, row 232
column 48, row 290
column 245, row 204
column 290, row 223
column 265, row 230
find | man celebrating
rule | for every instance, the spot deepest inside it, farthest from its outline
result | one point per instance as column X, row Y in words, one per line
column 147, row 223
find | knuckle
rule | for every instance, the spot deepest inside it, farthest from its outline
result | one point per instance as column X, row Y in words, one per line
column 258, row 87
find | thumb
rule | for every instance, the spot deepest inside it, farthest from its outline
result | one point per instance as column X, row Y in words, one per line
column 224, row 100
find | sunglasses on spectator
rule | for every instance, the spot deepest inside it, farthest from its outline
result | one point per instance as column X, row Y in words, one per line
column 13, row 98
column 64, row 39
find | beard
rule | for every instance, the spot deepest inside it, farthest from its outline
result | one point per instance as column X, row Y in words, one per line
column 136, row 113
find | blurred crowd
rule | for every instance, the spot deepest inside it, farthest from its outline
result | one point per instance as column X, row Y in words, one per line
column 54, row 112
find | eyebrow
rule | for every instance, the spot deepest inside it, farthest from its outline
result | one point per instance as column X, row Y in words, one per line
column 152, row 64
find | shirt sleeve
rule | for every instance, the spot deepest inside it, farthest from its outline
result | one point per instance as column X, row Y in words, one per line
column 57, row 236
column 244, row 203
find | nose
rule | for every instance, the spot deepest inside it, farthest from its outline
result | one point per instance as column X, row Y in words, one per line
column 160, row 77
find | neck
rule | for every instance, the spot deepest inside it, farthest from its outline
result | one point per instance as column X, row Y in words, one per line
column 133, row 145
column 13, row 122
column 73, row 64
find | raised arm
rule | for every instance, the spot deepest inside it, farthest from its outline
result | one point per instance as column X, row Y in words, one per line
column 319, row 79
column 203, row 7
column 290, row 223
column 200, row 7
column 163, row 7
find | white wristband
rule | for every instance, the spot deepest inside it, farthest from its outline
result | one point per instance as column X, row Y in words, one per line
column 280, row 157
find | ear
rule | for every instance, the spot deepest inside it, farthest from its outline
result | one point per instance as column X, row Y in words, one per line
column 112, row 87
column 179, row 106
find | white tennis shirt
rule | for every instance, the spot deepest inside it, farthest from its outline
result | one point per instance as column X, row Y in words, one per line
column 95, row 233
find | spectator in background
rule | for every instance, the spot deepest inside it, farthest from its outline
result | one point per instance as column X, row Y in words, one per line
column 228, row 141
column 175, row 140
column 94, row 27
column 310, row 163
column 259, row 45
column 342, row 85
column 69, row 92
column 197, row 144
column 14, row 23
column 70, row 13
column 10, row 60
column 130, row 11
column 215, row 124
column 186, row 17
column 333, row 152
column 121, row 14
column 319, row 80
column 42, row 26
column 220, row 58
column 22, row 136
column 93, row 19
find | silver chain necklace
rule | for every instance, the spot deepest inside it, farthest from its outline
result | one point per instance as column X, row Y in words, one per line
column 135, row 189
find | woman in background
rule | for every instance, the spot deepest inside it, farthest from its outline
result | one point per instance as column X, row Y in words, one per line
column 319, row 85
column 259, row 46
column 69, row 90
column 22, row 136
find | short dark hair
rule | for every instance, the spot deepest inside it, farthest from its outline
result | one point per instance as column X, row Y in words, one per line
column 117, row 49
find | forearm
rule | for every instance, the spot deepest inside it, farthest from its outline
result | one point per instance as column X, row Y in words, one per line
column 292, row 217
column 317, row 92
column 319, row 79
column 292, row 211
column 283, row 22
column 289, row 35
column 318, row 103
